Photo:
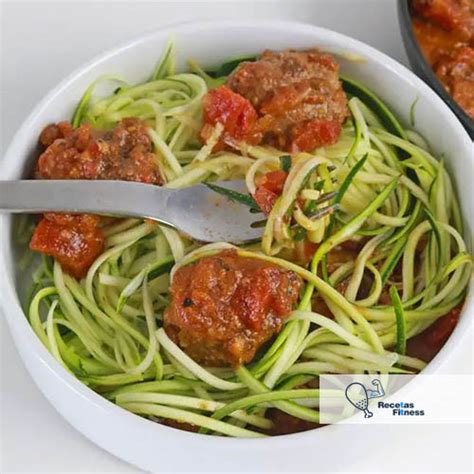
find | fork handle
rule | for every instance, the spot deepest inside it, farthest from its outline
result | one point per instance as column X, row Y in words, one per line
column 111, row 198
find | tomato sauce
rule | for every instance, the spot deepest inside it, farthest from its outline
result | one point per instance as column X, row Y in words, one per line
column 445, row 32
column 224, row 307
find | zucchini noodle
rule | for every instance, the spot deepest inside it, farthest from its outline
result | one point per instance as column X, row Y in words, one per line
column 379, row 186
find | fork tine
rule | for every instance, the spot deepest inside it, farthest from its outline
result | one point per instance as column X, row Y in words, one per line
column 314, row 215
column 325, row 197
column 324, row 211
column 258, row 224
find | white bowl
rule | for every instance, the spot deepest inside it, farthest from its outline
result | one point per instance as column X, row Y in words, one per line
column 141, row 442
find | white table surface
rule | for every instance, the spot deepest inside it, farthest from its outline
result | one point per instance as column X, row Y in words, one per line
column 41, row 42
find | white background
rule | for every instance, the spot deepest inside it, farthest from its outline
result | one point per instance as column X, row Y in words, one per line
column 41, row 42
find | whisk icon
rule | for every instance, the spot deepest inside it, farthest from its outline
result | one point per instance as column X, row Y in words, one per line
column 359, row 396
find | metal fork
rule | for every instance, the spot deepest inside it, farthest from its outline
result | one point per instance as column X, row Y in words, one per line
column 197, row 211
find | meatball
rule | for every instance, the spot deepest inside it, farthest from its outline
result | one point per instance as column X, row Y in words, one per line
column 224, row 307
column 298, row 97
column 122, row 153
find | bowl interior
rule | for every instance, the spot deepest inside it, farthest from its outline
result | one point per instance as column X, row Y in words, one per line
column 126, row 435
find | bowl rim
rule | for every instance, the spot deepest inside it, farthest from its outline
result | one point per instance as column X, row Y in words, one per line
column 408, row 36
column 11, row 306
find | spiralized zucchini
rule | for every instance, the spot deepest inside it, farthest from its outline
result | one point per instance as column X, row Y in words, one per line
column 389, row 193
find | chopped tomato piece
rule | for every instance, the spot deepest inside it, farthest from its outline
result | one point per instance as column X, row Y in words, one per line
column 274, row 181
column 269, row 187
column 74, row 240
column 265, row 199
column 230, row 109
column 316, row 133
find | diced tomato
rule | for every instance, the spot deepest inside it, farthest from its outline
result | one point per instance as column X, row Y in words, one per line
column 232, row 110
column 265, row 199
column 74, row 240
column 274, row 181
column 269, row 187
column 316, row 133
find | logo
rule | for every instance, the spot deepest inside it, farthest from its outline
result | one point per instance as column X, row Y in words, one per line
column 359, row 396
column 390, row 398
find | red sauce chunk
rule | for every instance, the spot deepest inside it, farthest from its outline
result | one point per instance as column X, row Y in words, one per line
column 298, row 98
column 74, row 241
column 269, row 188
column 309, row 135
column 233, row 111
column 224, row 307
column 123, row 153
